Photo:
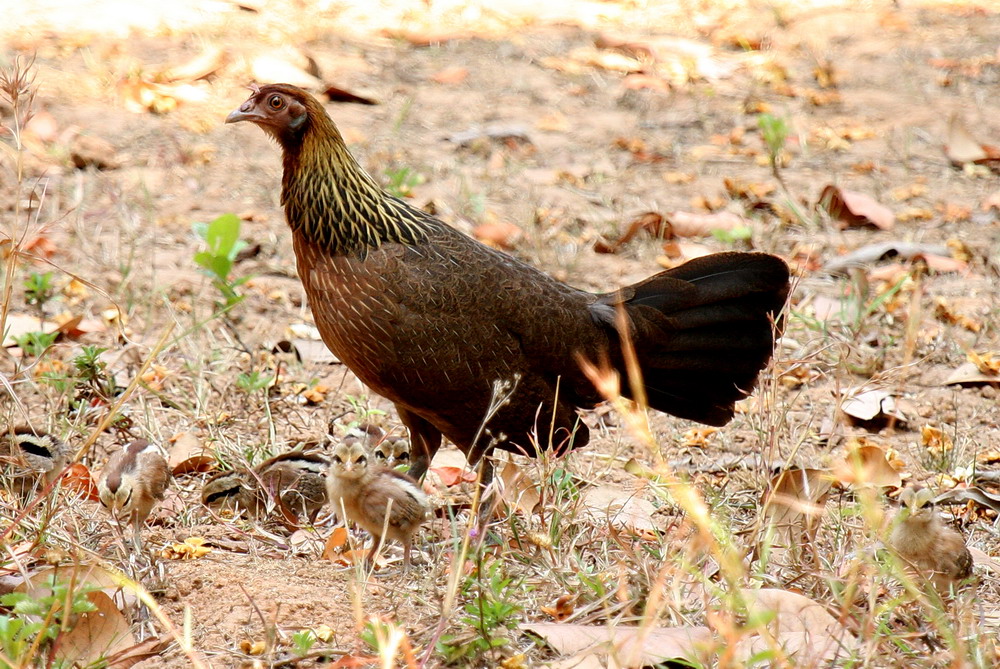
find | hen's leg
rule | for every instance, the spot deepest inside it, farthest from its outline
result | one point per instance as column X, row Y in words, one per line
column 425, row 440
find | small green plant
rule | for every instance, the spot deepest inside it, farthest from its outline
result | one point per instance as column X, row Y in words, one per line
column 774, row 130
column 92, row 379
column 38, row 290
column 740, row 233
column 303, row 641
column 490, row 612
column 383, row 637
column 400, row 182
column 222, row 237
column 250, row 382
column 35, row 621
column 35, row 344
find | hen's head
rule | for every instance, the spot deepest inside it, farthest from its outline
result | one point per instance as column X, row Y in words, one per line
column 283, row 111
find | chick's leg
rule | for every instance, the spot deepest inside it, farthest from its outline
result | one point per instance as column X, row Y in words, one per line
column 136, row 534
column 370, row 560
column 425, row 440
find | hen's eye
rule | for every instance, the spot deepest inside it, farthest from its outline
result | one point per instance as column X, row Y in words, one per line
column 275, row 102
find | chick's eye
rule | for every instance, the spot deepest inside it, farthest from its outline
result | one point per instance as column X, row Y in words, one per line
column 275, row 102
column 337, row 459
column 362, row 459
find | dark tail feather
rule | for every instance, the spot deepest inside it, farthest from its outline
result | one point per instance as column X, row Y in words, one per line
column 704, row 330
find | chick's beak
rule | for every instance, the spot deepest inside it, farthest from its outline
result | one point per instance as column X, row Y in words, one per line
column 245, row 112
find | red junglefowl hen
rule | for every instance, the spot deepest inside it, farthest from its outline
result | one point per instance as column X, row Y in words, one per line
column 431, row 319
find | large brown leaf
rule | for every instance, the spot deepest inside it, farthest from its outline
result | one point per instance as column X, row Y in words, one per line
column 630, row 646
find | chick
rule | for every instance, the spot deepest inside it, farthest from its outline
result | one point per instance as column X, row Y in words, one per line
column 133, row 481
column 233, row 490
column 34, row 458
column 928, row 545
column 297, row 481
column 392, row 451
column 383, row 501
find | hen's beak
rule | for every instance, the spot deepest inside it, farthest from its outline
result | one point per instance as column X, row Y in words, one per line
column 246, row 112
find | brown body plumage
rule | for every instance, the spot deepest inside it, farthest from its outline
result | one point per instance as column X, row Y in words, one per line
column 432, row 319
column 383, row 501
column 31, row 458
column 926, row 544
column 133, row 481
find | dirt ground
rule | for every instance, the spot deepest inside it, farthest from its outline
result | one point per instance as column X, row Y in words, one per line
column 878, row 100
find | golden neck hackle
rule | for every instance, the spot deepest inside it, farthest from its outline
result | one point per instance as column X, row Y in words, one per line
column 334, row 202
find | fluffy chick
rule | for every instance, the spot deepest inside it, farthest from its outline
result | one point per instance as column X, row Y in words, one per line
column 133, row 481
column 392, row 451
column 297, row 481
column 33, row 458
column 383, row 501
column 928, row 545
column 233, row 490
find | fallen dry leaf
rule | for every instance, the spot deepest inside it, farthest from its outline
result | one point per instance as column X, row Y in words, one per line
column 968, row 374
column 188, row 455
column 315, row 394
column 338, row 94
column 855, row 209
column 935, row 440
column 518, row 489
column 95, row 634
column 451, row 75
column 803, row 628
column 204, row 64
column 986, row 363
column 629, row 646
column 965, row 494
column 253, row 647
column 452, row 476
column 78, row 479
column 985, row 560
column 863, row 404
column 288, row 66
column 944, row 312
column 677, row 252
column 697, row 437
column 796, row 501
column 866, row 465
column 133, row 655
column 685, row 224
column 619, row 507
column 18, row 325
column 649, row 221
column 562, row 608
column 498, row 234
column 192, row 549
column 962, row 148
column 336, row 541
column 872, row 253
